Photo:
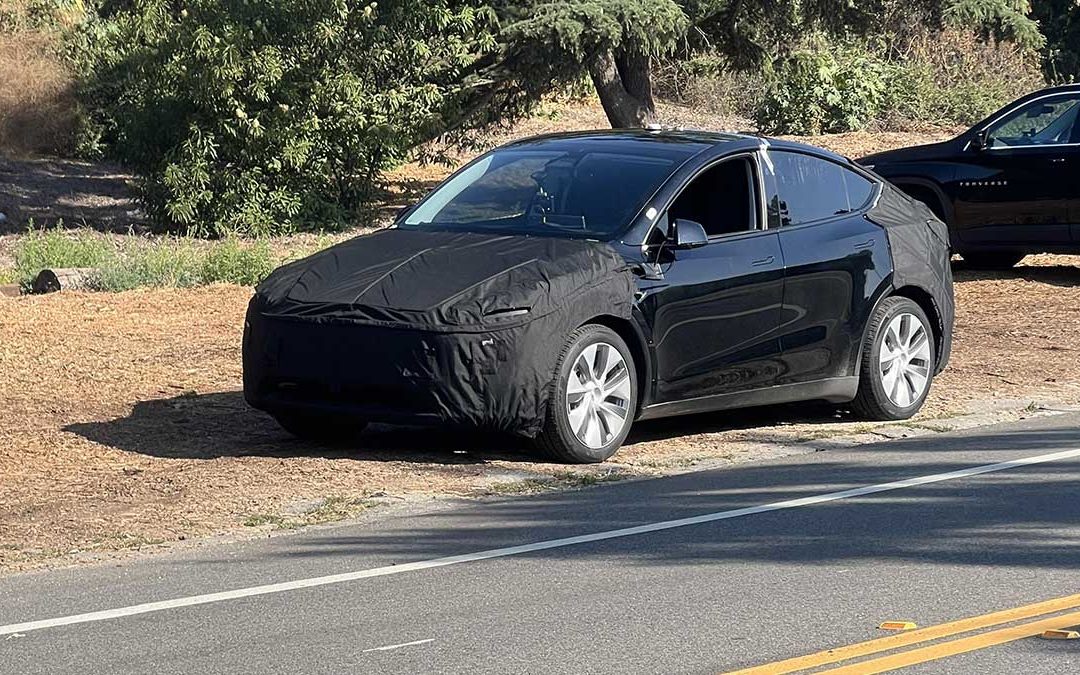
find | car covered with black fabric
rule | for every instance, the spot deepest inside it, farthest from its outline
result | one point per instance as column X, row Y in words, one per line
column 563, row 287
column 1008, row 186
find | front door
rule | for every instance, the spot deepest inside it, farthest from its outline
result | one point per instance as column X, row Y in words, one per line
column 715, row 313
column 1022, row 186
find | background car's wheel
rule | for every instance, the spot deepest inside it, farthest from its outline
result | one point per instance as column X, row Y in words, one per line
column 898, row 362
column 314, row 427
column 594, row 399
column 993, row 260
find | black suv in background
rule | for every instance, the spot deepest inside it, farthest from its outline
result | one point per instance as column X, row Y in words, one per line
column 1008, row 186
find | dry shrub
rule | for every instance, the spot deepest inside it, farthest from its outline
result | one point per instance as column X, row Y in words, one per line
column 708, row 83
column 954, row 77
column 37, row 101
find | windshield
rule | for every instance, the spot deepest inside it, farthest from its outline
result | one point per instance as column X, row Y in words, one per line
column 586, row 193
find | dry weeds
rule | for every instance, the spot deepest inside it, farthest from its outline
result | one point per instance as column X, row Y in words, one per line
column 37, row 105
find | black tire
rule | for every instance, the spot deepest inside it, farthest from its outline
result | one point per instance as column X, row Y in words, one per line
column 557, row 438
column 992, row 260
column 872, row 402
column 322, row 428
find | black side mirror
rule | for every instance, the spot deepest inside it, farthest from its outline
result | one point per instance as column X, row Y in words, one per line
column 688, row 234
column 981, row 141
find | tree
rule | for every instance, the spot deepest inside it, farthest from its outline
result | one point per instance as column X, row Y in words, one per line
column 1060, row 21
column 260, row 116
column 614, row 41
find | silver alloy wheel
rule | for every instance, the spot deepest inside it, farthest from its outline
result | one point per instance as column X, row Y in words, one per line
column 904, row 362
column 598, row 395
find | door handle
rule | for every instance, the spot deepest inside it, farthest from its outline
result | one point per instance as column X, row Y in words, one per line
column 869, row 243
column 764, row 261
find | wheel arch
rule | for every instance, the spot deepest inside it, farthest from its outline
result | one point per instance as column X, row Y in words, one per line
column 635, row 339
column 926, row 303
column 914, row 187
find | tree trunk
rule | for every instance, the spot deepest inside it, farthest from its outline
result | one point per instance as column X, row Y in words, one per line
column 63, row 279
column 624, row 83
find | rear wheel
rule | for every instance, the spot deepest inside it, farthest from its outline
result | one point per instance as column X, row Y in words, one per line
column 995, row 260
column 594, row 400
column 898, row 362
column 315, row 427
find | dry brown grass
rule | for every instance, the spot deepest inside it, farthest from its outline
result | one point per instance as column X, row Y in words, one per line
column 37, row 103
column 121, row 421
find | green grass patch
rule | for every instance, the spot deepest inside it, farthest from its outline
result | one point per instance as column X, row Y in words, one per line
column 8, row 275
column 41, row 249
column 129, row 262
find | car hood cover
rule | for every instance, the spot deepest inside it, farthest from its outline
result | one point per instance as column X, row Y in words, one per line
column 442, row 280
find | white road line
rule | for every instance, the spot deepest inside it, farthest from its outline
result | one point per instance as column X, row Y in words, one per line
column 313, row 582
column 388, row 648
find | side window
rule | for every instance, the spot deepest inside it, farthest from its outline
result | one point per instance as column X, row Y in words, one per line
column 813, row 189
column 723, row 199
column 1048, row 121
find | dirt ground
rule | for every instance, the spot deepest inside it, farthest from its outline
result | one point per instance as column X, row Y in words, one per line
column 122, row 425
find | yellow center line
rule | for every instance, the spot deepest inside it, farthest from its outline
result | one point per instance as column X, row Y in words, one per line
column 906, row 639
column 954, row 647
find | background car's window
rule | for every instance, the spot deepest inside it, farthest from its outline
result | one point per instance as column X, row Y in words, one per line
column 1050, row 121
column 532, row 191
column 722, row 199
column 814, row 189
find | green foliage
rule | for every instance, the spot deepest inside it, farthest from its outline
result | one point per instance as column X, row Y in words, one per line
column 822, row 90
column 41, row 249
column 160, row 263
column 1060, row 22
column 945, row 78
column 126, row 263
column 1002, row 19
column 263, row 116
column 232, row 262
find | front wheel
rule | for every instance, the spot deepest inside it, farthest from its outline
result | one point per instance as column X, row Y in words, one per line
column 898, row 362
column 594, row 400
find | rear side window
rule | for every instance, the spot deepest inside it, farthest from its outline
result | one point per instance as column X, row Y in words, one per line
column 813, row 189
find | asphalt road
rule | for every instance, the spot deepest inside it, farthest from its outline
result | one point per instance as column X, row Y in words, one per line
column 726, row 569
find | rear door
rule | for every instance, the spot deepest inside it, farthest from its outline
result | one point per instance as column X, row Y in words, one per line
column 714, row 315
column 1023, row 189
column 835, row 260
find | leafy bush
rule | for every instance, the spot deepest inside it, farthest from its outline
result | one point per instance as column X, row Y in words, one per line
column 264, row 116
column 949, row 78
column 823, row 90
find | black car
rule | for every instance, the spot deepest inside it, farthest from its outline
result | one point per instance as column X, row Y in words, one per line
column 1007, row 187
column 564, row 286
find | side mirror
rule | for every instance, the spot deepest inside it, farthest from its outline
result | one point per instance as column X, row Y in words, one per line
column 688, row 234
column 981, row 141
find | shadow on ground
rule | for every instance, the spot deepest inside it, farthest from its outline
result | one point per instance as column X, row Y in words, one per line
column 1055, row 275
column 48, row 191
column 1023, row 518
column 209, row 426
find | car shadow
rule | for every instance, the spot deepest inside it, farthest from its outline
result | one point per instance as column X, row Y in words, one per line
column 1056, row 275
column 212, row 426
